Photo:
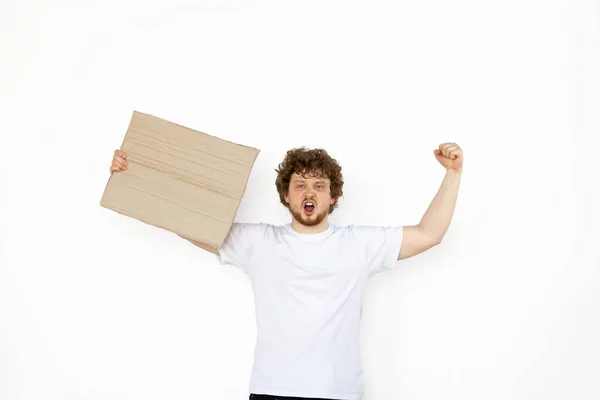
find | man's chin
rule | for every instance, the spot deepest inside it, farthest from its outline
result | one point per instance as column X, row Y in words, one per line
column 307, row 221
column 312, row 220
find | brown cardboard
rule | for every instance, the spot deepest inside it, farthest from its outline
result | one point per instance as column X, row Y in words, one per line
column 180, row 179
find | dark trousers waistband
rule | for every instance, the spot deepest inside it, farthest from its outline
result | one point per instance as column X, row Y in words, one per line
column 271, row 397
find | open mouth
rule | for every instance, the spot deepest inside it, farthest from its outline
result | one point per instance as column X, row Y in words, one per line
column 309, row 208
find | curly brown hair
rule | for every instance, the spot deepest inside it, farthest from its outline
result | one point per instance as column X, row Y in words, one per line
column 309, row 162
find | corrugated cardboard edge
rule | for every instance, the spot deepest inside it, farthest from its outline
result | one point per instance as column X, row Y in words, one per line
column 211, row 247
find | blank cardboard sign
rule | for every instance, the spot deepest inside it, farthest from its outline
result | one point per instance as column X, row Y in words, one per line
column 179, row 179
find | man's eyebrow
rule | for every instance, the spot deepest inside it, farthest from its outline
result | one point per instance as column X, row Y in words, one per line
column 303, row 181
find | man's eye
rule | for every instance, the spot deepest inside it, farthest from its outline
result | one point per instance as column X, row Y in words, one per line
column 319, row 186
column 300, row 186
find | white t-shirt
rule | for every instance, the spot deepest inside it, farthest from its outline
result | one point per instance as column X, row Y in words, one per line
column 308, row 291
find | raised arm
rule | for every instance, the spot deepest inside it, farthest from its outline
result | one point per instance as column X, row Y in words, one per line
column 435, row 222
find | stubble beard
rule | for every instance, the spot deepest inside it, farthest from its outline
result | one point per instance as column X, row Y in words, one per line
column 309, row 221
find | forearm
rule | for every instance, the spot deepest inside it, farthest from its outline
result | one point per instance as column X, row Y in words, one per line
column 203, row 246
column 438, row 216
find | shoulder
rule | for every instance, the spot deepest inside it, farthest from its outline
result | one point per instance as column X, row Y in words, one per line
column 366, row 233
column 255, row 229
column 363, row 230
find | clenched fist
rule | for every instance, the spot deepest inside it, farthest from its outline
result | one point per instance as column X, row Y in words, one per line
column 450, row 155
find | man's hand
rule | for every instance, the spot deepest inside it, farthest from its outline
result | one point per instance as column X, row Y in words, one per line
column 450, row 155
column 119, row 162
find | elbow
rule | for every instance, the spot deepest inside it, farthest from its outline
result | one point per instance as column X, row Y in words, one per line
column 436, row 241
column 430, row 237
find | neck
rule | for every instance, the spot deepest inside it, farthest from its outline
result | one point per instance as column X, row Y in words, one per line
column 300, row 228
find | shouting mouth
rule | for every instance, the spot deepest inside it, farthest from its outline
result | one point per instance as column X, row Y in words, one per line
column 309, row 208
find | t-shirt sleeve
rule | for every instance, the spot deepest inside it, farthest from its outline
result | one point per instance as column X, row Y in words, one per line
column 239, row 244
column 382, row 246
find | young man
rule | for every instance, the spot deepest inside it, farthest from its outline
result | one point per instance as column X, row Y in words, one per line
column 308, row 276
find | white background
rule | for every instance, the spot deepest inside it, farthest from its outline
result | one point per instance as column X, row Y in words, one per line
column 95, row 305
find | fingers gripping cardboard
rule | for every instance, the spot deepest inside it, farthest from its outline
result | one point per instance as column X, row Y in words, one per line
column 180, row 179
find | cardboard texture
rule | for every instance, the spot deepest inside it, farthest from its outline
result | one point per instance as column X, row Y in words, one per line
column 180, row 179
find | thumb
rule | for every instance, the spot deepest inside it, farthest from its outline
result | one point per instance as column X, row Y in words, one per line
column 437, row 152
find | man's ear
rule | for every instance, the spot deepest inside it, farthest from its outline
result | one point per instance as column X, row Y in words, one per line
column 332, row 200
column 286, row 198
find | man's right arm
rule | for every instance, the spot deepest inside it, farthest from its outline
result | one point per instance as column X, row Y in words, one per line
column 201, row 245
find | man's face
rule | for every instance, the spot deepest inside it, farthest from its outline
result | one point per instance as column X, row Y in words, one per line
column 309, row 199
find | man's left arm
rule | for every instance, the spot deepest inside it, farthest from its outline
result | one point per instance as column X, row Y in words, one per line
column 435, row 222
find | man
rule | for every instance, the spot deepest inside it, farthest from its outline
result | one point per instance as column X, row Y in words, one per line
column 309, row 276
